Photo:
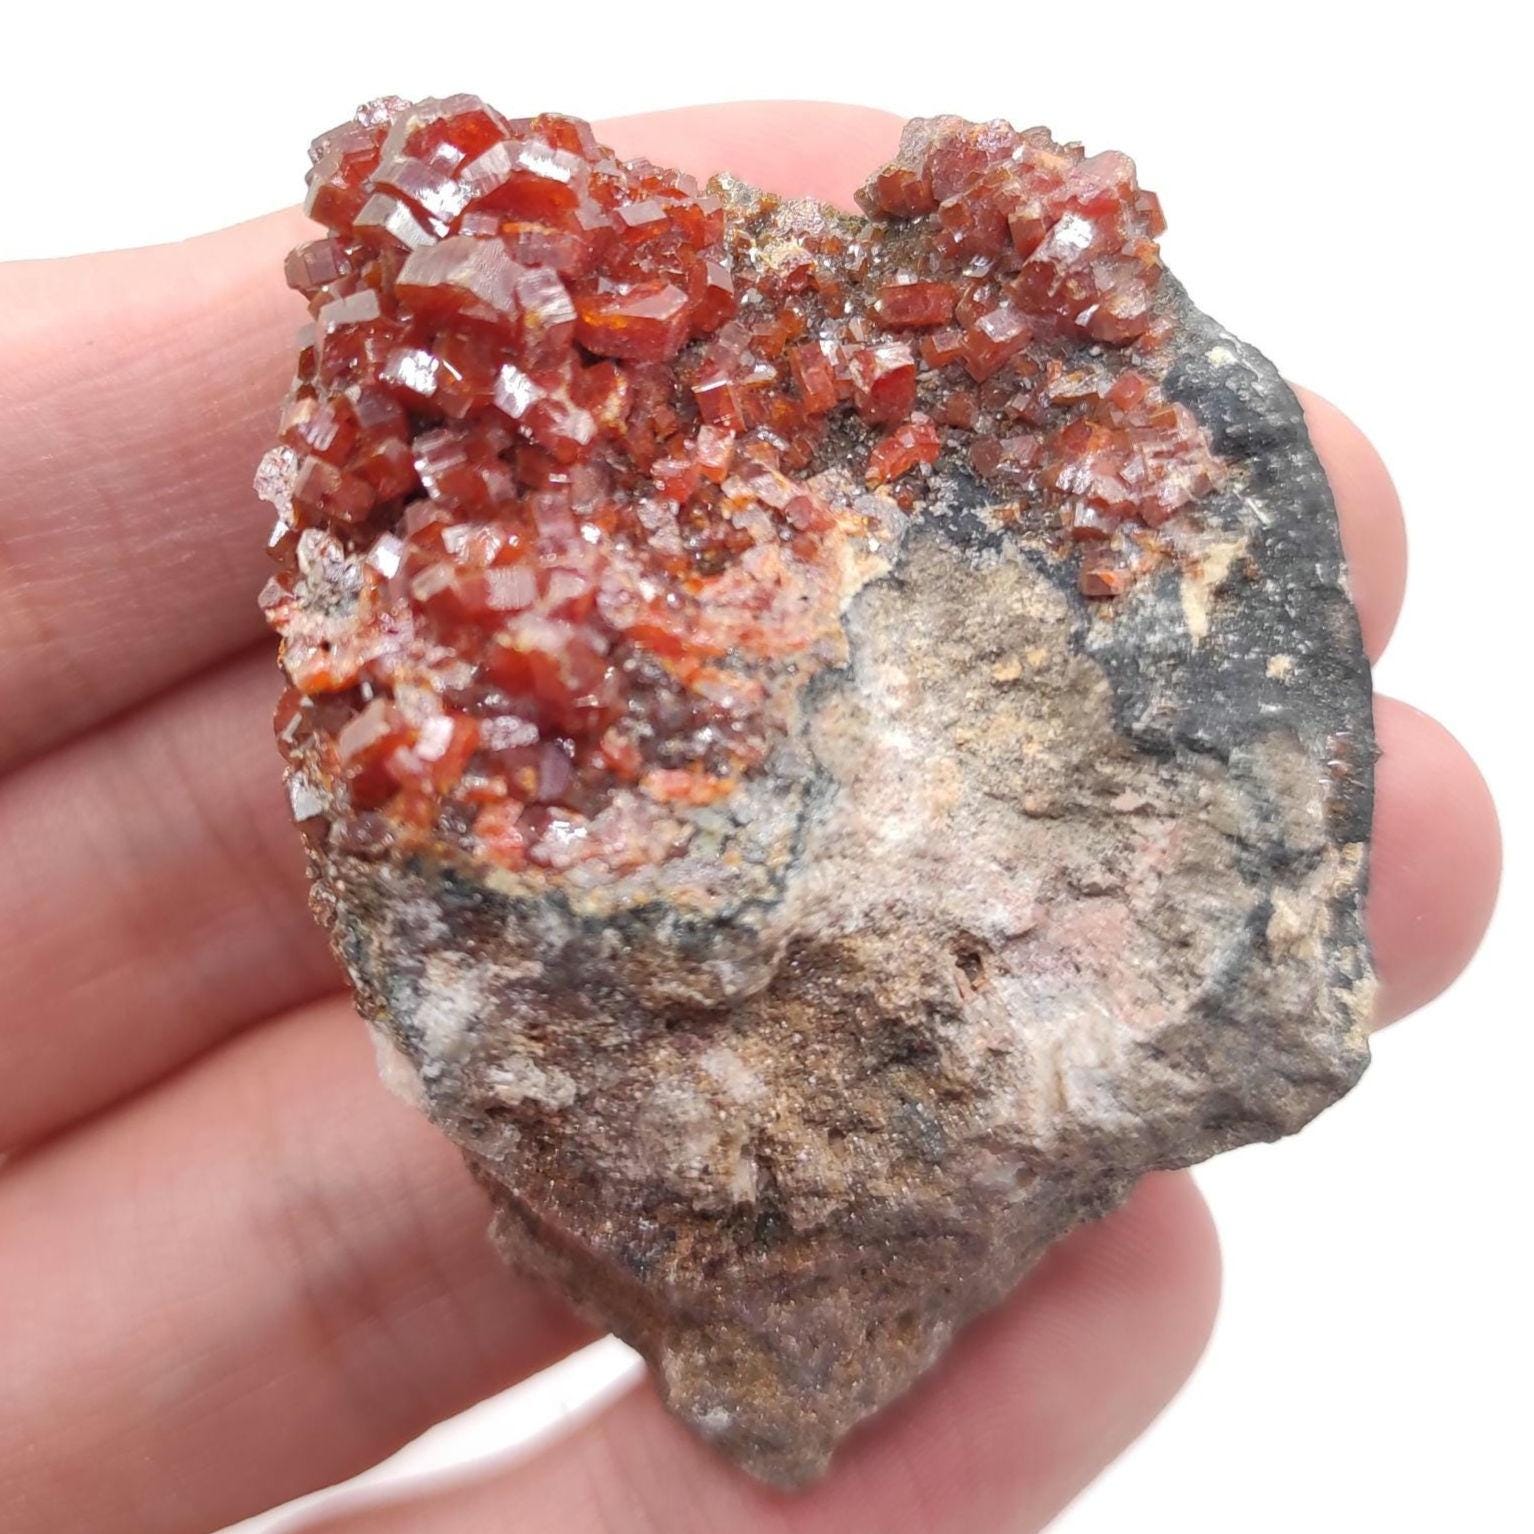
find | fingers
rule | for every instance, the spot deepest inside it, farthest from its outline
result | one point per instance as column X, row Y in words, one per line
column 153, row 900
column 129, row 536
column 1437, row 859
column 822, row 149
column 1373, row 531
column 259, row 1279
column 337, row 1274
column 1031, row 1403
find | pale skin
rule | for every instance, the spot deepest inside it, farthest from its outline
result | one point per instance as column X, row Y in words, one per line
column 233, row 1268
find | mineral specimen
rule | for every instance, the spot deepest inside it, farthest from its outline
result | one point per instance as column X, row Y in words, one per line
column 827, row 745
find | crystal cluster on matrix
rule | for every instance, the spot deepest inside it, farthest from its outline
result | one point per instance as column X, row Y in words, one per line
column 562, row 482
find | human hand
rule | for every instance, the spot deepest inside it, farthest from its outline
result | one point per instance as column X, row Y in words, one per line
column 233, row 1269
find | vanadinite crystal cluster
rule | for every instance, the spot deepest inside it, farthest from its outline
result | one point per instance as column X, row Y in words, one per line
column 827, row 744
column 563, row 427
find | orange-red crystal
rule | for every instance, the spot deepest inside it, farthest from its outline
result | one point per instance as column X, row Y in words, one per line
column 547, row 474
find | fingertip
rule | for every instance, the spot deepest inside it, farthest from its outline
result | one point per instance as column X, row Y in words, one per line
column 1369, row 512
column 1038, row 1396
column 1028, row 1406
column 1437, row 856
column 821, row 149
column 1123, row 1308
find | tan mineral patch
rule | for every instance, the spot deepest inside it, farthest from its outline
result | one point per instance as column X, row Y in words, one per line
column 1204, row 572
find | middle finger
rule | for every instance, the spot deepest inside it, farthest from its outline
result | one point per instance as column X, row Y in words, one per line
column 262, row 1277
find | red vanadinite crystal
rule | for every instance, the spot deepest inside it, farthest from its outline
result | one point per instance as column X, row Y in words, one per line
column 912, row 442
column 915, row 305
column 546, row 531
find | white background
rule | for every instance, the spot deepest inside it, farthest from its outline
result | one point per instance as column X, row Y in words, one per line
column 1347, row 187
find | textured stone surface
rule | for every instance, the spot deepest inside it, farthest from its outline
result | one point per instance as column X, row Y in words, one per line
column 792, row 983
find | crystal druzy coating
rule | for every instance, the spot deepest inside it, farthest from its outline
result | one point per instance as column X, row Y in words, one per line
column 569, row 442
